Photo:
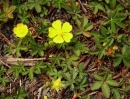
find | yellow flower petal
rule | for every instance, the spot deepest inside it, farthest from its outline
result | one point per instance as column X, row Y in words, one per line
column 67, row 37
column 66, row 27
column 57, row 25
column 52, row 32
column 60, row 33
column 57, row 84
column 58, row 39
column 45, row 97
column 20, row 30
column 20, row 25
column 15, row 30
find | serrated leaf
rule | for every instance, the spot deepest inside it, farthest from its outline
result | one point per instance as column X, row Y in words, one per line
column 117, row 61
column 41, row 53
column 106, row 22
column 106, row 90
column 34, row 52
column 125, row 51
column 119, row 23
column 97, row 41
column 24, row 48
column 113, row 27
column 88, row 27
column 95, row 10
column 96, row 85
column 126, row 62
column 127, row 89
column 112, row 4
column 101, row 7
column 116, row 94
column 103, row 30
column 96, row 34
column 84, row 21
column 38, row 8
column 95, row 52
column 119, row 7
column 101, row 54
column 30, row 74
column 97, row 77
column 74, row 57
column 112, row 83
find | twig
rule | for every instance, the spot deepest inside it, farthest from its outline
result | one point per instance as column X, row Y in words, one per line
column 13, row 61
column 3, row 63
column 6, row 39
column 84, row 92
column 84, row 10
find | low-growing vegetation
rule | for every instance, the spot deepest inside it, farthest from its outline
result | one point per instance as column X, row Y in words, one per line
column 64, row 49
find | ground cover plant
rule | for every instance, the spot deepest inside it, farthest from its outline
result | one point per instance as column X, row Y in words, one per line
column 64, row 49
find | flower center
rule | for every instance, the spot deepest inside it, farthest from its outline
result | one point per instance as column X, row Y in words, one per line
column 62, row 34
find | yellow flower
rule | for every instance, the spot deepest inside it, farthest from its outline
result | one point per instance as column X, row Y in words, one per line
column 104, row 44
column 20, row 30
column 115, row 47
column 57, row 85
column 60, row 32
column 45, row 97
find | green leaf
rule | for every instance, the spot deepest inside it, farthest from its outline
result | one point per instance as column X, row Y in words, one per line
column 117, row 61
column 31, row 73
column 112, row 83
column 84, row 21
column 119, row 23
column 127, row 88
column 74, row 74
column 41, row 53
column 88, row 27
column 9, row 97
column 125, row 51
column 113, row 27
column 97, row 77
column 34, row 52
column 119, row 7
column 107, row 1
column 96, row 85
column 103, row 30
column 95, row 52
column 107, row 21
column 4, row 80
column 97, row 41
column 116, row 94
column 106, row 90
column 101, row 54
column 38, row 8
column 24, row 48
column 96, row 34
column 112, row 4
column 101, row 7
column 95, row 10
column 126, row 62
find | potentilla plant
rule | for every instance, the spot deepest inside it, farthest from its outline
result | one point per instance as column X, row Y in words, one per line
column 21, row 31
